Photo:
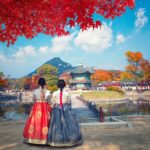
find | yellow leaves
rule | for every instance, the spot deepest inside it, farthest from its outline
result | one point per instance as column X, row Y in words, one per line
column 125, row 76
column 52, row 88
column 131, row 68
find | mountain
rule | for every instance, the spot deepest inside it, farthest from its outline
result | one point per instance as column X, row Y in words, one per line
column 61, row 65
column 57, row 62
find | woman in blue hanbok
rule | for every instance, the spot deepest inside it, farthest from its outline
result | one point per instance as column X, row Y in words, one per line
column 64, row 127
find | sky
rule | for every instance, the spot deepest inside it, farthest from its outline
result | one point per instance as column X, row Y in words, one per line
column 101, row 48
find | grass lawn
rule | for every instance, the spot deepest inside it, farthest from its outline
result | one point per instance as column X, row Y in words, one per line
column 102, row 95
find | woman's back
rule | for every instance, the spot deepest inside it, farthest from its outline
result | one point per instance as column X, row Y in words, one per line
column 36, row 127
column 64, row 127
column 37, row 95
column 65, row 97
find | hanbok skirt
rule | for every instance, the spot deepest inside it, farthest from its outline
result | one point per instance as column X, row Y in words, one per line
column 64, row 127
column 36, row 127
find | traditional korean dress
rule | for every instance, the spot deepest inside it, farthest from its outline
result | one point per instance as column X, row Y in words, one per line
column 64, row 127
column 36, row 127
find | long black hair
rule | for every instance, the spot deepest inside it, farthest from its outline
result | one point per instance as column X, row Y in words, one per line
column 61, row 84
column 41, row 82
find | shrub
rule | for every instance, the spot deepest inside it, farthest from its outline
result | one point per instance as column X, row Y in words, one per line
column 114, row 88
column 1, row 111
column 52, row 88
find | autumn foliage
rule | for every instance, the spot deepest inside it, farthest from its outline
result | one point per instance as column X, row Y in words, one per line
column 27, row 83
column 114, row 88
column 134, row 59
column 29, row 17
column 34, row 81
column 101, row 75
column 126, row 76
column 115, row 75
column 3, row 83
column 145, row 67
column 138, row 68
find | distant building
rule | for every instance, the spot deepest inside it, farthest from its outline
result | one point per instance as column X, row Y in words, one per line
column 66, row 77
column 80, row 78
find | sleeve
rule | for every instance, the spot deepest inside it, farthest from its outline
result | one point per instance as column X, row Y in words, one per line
column 34, row 97
column 53, row 99
column 49, row 99
column 68, row 99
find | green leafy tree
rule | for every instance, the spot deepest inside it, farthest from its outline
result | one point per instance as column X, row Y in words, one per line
column 49, row 72
column 1, row 74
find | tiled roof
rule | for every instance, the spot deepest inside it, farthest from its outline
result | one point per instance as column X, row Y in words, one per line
column 80, row 69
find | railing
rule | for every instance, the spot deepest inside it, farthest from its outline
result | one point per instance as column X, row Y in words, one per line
column 92, row 106
column 140, row 107
column 143, row 105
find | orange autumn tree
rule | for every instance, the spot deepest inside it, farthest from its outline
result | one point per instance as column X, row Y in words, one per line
column 27, row 83
column 145, row 67
column 101, row 75
column 134, row 59
column 3, row 81
column 116, row 75
column 126, row 76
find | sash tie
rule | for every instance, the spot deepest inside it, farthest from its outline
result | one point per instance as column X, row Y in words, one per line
column 61, row 104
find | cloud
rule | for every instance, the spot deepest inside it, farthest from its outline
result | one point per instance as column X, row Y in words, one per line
column 141, row 19
column 94, row 40
column 23, row 52
column 120, row 38
column 62, row 44
column 108, row 67
column 43, row 49
column 3, row 58
column 23, row 61
column 28, row 57
column 110, row 24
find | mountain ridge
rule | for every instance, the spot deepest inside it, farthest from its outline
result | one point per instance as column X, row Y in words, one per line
column 57, row 62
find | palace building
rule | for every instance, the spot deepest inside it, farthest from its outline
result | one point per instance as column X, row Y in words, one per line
column 80, row 78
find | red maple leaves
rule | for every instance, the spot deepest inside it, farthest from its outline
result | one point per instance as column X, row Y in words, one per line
column 30, row 17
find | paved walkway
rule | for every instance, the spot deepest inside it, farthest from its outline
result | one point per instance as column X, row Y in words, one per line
column 84, row 114
column 94, row 138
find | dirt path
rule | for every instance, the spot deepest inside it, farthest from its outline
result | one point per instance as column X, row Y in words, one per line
column 94, row 139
